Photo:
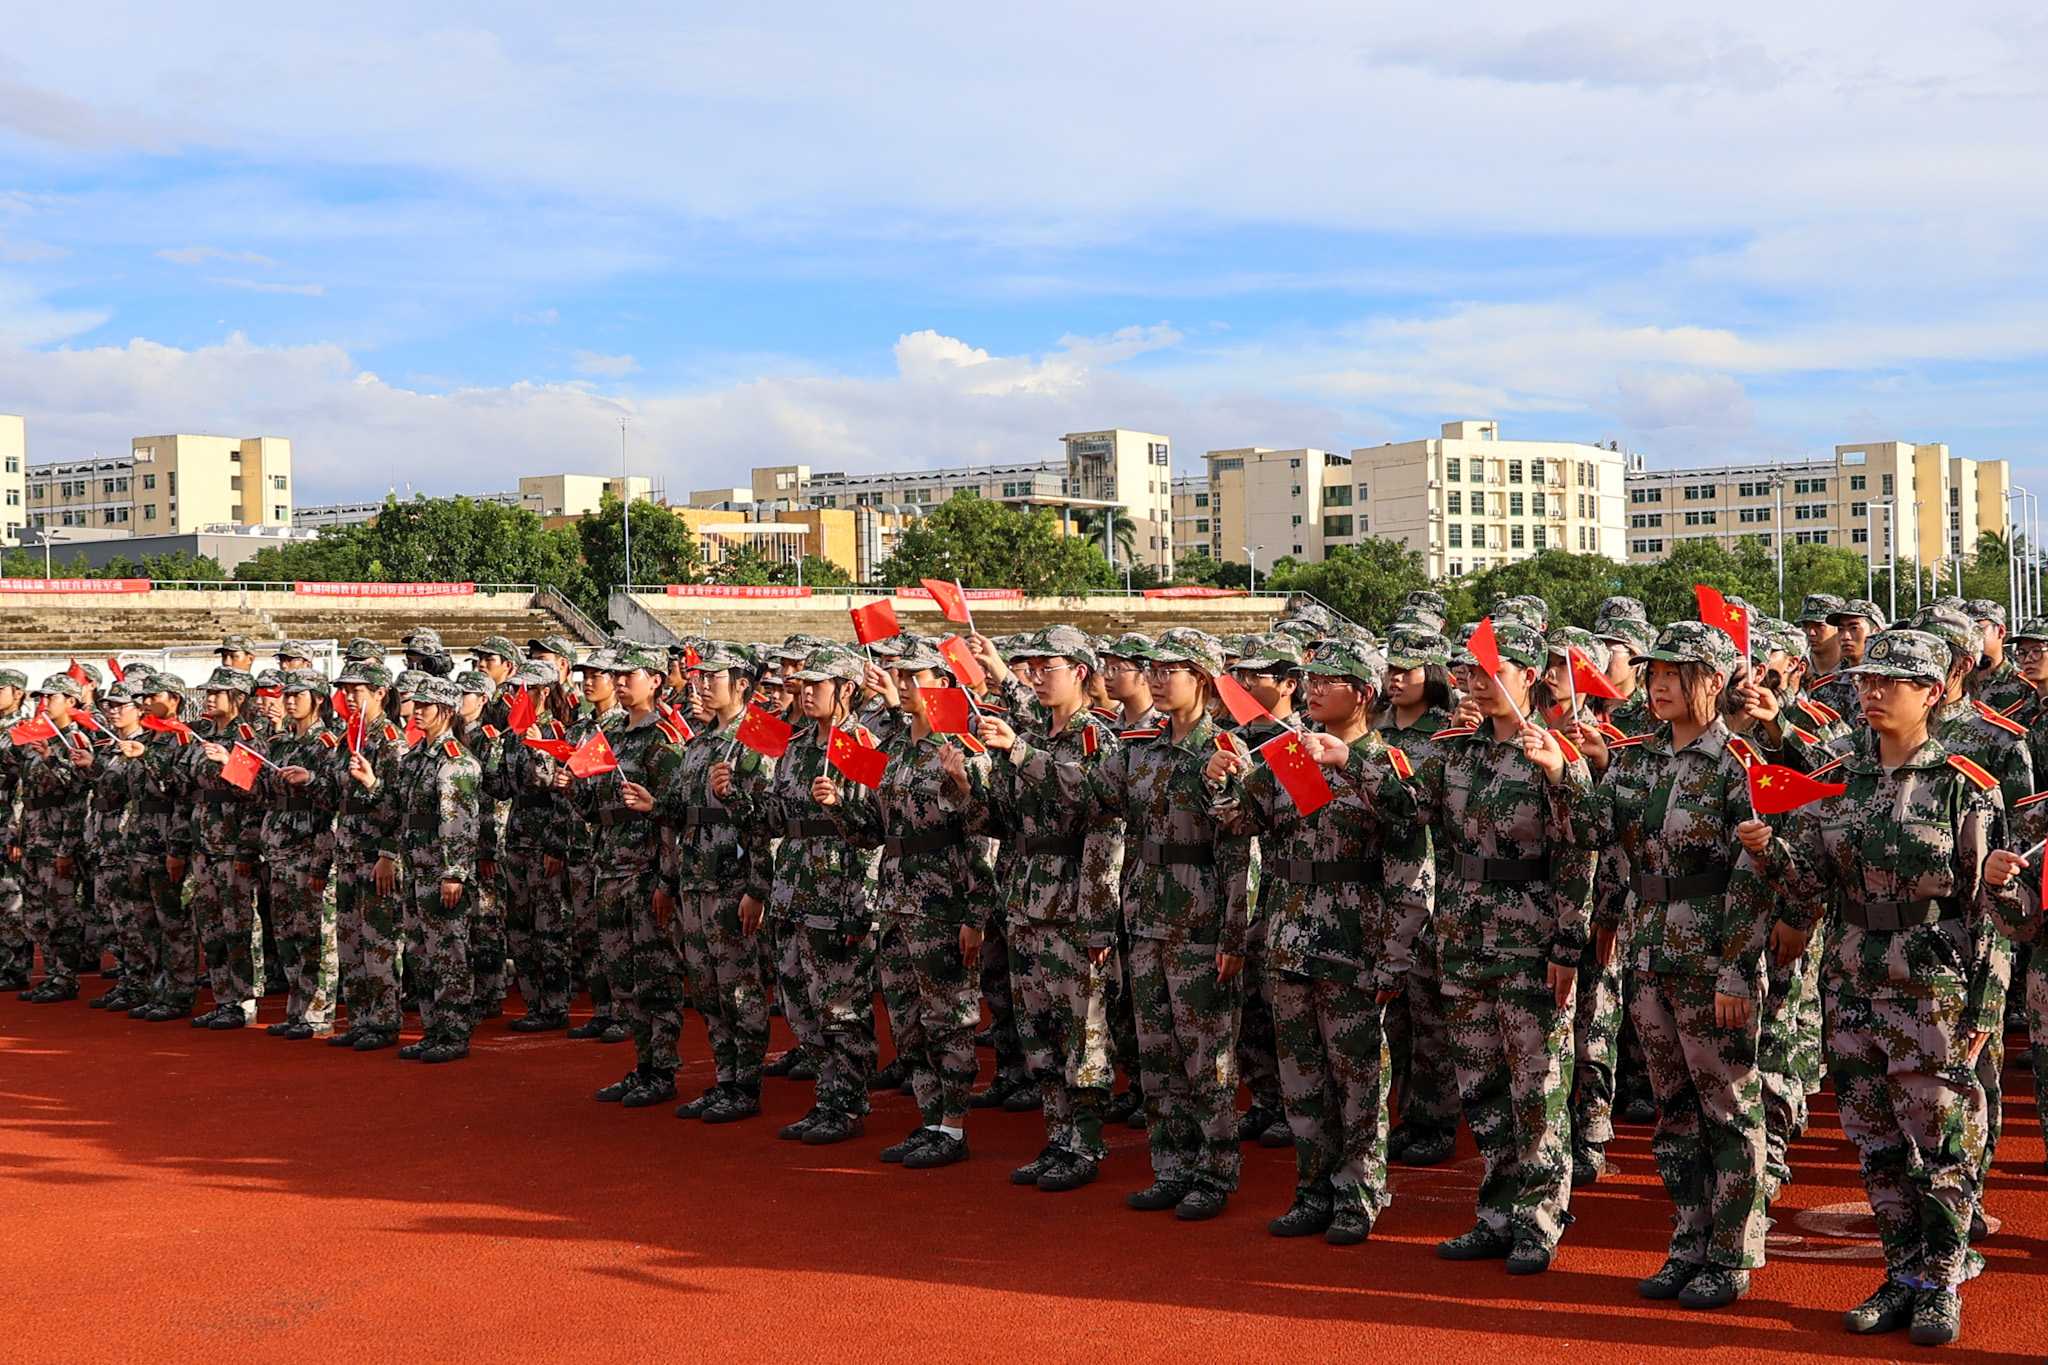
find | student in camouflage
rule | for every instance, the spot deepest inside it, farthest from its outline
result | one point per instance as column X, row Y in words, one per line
column 1187, row 914
column 482, row 734
column 1905, row 855
column 820, row 894
column 721, row 886
column 56, row 778
column 300, row 794
column 925, row 816
column 160, row 823
column 17, row 950
column 1855, row 623
column 1127, row 688
column 368, row 929
column 125, row 864
column 530, row 869
column 1665, row 823
column 225, row 826
column 598, row 947
column 1511, row 917
column 1994, row 680
column 432, row 855
column 1344, row 891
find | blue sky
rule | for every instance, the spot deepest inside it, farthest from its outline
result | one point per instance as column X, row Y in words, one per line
column 447, row 245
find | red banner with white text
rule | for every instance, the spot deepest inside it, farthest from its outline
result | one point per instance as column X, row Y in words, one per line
column 74, row 585
column 736, row 590
column 971, row 594
column 1195, row 591
column 384, row 589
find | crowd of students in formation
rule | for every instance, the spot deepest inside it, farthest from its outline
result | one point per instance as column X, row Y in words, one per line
column 1521, row 873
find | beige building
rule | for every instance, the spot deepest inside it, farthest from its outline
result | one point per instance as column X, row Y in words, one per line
column 577, row 495
column 1192, row 517
column 1466, row 500
column 1942, row 503
column 13, row 478
column 172, row 484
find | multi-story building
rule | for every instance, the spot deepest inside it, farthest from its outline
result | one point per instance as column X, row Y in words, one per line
column 171, row 484
column 1466, row 500
column 544, row 495
column 1941, row 503
column 13, row 478
column 1192, row 517
column 1133, row 469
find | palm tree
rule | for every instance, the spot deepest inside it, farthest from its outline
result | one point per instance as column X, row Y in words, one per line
column 1122, row 532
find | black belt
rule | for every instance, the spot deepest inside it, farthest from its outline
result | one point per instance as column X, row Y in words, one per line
column 1307, row 872
column 432, row 826
column 931, row 841
column 696, row 817
column 299, row 803
column 1890, row 916
column 1473, row 868
column 809, row 829
column 153, row 807
column 1055, row 845
column 1154, row 853
column 1653, row 890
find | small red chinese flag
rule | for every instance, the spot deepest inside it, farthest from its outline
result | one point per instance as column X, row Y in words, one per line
column 519, row 712
column 339, row 701
column 1300, row 774
column 413, row 731
column 34, row 730
column 675, row 717
column 84, row 721
column 1717, row 610
column 1590, row 681
column 1775, row 788
column 241, row 767
column 77, row 673
column 961, row 663
column 166, row 725
column 557, row 749
column 593, row 756
column 1484, row 648
column 353, row 732
column 1244, row 708
column 765, row 732
column 692, row 660
column 946, row 710
column 951, row 600
column 114, row 667
column 855, row 759
column 875, row 621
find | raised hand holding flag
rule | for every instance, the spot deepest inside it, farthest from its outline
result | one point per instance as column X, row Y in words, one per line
column 1298, row 772
column 1718, row 611
column 241, row 767
column 951, row 599
column 593, row 757
column 1588, row 681
column 1775, row 789
column 946, row 710
column 961, row 663
column 855, row 759
column 875, row 621
column 764, row 732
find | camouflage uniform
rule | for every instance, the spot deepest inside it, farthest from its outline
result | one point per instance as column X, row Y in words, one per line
column 369, row 925
column 2001, row 687
column 600, row 948
column 488, row 947
column 1837, row 691
column 1059, row 897
column 17, row 950
column 55, row 798
column 536, row 903
column 224, row 850
column 298, row 857
column 160, row 829
column 1185, row 902
column 1898, row 857
column 1345, row 891
column 1515, row 898
column 439, row 817
column 128, row 862
column 1666, row 829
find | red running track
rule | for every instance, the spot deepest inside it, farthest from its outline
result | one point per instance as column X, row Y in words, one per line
column 172, row 1194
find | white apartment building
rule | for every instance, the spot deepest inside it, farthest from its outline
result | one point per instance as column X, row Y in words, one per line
column 167, row 485
column 13, row 478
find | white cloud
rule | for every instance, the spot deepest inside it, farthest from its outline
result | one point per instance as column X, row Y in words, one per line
column 603, row 366
column 311, row 291
column 201, row 255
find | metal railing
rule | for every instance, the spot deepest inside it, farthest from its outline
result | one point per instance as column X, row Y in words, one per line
column 552, row 599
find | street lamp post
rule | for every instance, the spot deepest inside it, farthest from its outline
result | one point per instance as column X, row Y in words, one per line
column 1870, row 549
column 1778, row 535
column 1891, row 557
column 1252, row 551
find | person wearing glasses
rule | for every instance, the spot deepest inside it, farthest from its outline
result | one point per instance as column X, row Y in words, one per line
column 1128, row 688
column 1187, row 912
column 1911, row 857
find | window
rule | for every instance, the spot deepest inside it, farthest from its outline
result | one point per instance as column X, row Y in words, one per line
column 1202, row 527
column 1457, row 535
column 1201, row 499
column 1700, row 492
column 1337, row 526
column 1475, row 473
column 1955, row 498
column 1457, row 567
column 174, row 483
column 14, row 497
column 1294, row 464
column 277, row 482
column 1295, row 520
column 1234, row 462
column 235, row 455
column 1809, row 486
column 149, row 511
column 1645, row 547
column 1478, row 536
column 1859, row 509
column 1766, row 539
column 1515, row 504
column 1699, row 518
column 1337, row 495
column 1455, row 503
column 1515, row 538
column 1642, row 495
column 1859, row 535
column 1809, row 537
column 1295, row 491
column 1856, row 483
column 1887, row 483
column 1811, row 511
column 234, row 483
column 14, row 464
column 1539, row 539
column 148, row 481
column 1297, row 550
column 278, row 512
column 1585, row 538
column 1453, row 468
column 1514, row 471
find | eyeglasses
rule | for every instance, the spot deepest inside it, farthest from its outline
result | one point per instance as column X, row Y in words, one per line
column 1041, row 667
column 1321, row 682
column 2030, row 649
column 1877, row 682
column 1167, row 670
column 1118, row 670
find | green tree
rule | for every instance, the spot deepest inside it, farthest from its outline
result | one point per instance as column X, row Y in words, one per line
column 1572, row 584
column 1198, row 569
column 1122, row 532
column 1365, row 582
column 992, row 545
column 664, row 550
column 817, row 572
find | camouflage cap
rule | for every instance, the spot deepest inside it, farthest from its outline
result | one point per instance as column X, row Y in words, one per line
column 423, row 640
column 1349, row 659
column 1429, row 600
column 92, row 673
column 722, row 656
column 295, row 649
column 270, row 680
column 630, row 657
column 1767, row 633
column 1857, row 606
column 881, row 649
column 14, row 678
column 1693, row 642
column 1275, row 652
column 437, row 692
column 1902, row 652
column 1791, row 640
column 1571, row 637
column 833, row 663
column 61, row 685
column 364, row 673
column 1233, row 645
column 1062, row 642
column 1984, row 609
column 165, row 682
column 534, row 674
column 1821, row 606
column 1627, row 630
column 561, row 646
column 476, row 684
column 1520, row 644
column 362, row 648
column 119, row 695
column 2035, row 628
column 597, row 661
column 1186, row 645
column 918, row 655
column 305, row 680
column 1416, row 618
column 1963, row 636
column 1300, row 629
column 229, row 680
column 498, row 647
column 236, row 644
column 1130, row 646
column 1409, row 647
column 1618, row 609
column 408, row 683
column 1302, row 607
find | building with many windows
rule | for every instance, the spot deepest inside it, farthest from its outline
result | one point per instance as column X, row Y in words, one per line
column 13, row 478
column 1873, row 498
column 1192, row 515
column 167, row 485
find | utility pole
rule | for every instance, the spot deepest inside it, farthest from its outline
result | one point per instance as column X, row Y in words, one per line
column 626, row 504
column 1891, row 536
column 1778, row 535
column 1252, row 551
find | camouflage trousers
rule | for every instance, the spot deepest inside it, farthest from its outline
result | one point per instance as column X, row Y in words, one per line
column 1990, row 1074
column 17, row 949
column 1123, row 1018
column 1421, row 1050
column 647, row 982
column 442, row 933
column 837, row 982
column 176, row 979
column 537, row 929
column 2037, row 1024
column 997, row 973
column 1187, row 1055
column 1334, row 1066
column 307, row 938
column 934, row 1005
column 1596, row 1046
column 1257, row 1051
column 487, row 945
column 1782, row 1059
column 786, row 971
column 587, row 940
column 368, row 936
column 1063, row 1026
column 55, row 919
column 1911, row 1104
column 1512, row 1045
column 723, row 970
column 121, row 896
column 1809, row 1037
column 1709, row 1142
column 224, row 909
